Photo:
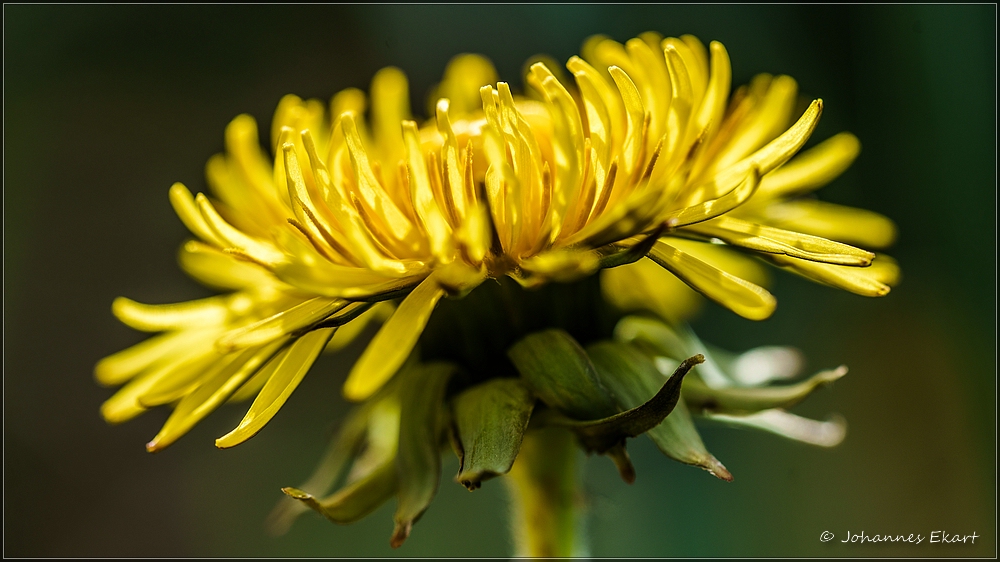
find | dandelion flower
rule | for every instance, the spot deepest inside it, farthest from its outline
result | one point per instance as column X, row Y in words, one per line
column 478, row 234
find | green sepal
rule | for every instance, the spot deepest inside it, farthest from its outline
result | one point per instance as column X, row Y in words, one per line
column 367, row 438
column 604, row 434
column 652, row 336
column 561, row 375
column 418, row 463
column 633, row 377
column 489, row 421
column 357, row 499
column 342, row 450
column 829, row 433
column 730, row 364
column 744, row 400
column 658, row 339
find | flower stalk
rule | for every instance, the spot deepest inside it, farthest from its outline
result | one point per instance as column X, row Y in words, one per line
column 546, row 504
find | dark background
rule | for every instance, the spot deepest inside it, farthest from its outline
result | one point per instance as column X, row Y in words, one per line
column 106, row 106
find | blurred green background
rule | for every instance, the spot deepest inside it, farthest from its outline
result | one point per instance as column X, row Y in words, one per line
column 106, row 106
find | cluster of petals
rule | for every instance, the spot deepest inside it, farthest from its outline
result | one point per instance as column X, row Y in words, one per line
column 637, row 163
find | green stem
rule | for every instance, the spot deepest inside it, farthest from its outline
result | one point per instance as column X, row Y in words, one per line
column 546, row 501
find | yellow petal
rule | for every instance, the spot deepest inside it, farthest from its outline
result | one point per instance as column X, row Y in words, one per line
column 187, row 210
column 258, row 249
column 567, row 140
column 393, row 343
column 597, row 95
column 288, row 371
column 524, row 211
column 376, row 265
column 767, row 119
column 777, row 241
column 473, row 236
column 696, row 60
column 120, row 367
column 308, row 270
column 212, row 393
column 628, row 218
column 742, row 297
column 653, row 81
column 285, row 115
column 390, row 95
column 588, row 50
column 124, row 404
column 812, row 169
column 181, row 379
column 347, row 100
column 772, row 155
column 635, row 112
column 429, row 213
column 341, row 282
column 885, row 269
column 229, row 187
column 253, row 385
column 391, row 222
column 837, row 222
column 243, row 145
column 463, row 77
column 159, row 317
column 320, row 232
column 348, row 332
column 243, row 179
column 714, row 207
column 603, row 53
column 561, row 265
column 453, row 173
column 725, row 258
column 643, row 285
column 299, row 317
column 871, row 281
column 222, row 270
column 682, row 100
column 709, row 114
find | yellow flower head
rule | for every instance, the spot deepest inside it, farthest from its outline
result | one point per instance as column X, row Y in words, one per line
column 643, row 153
